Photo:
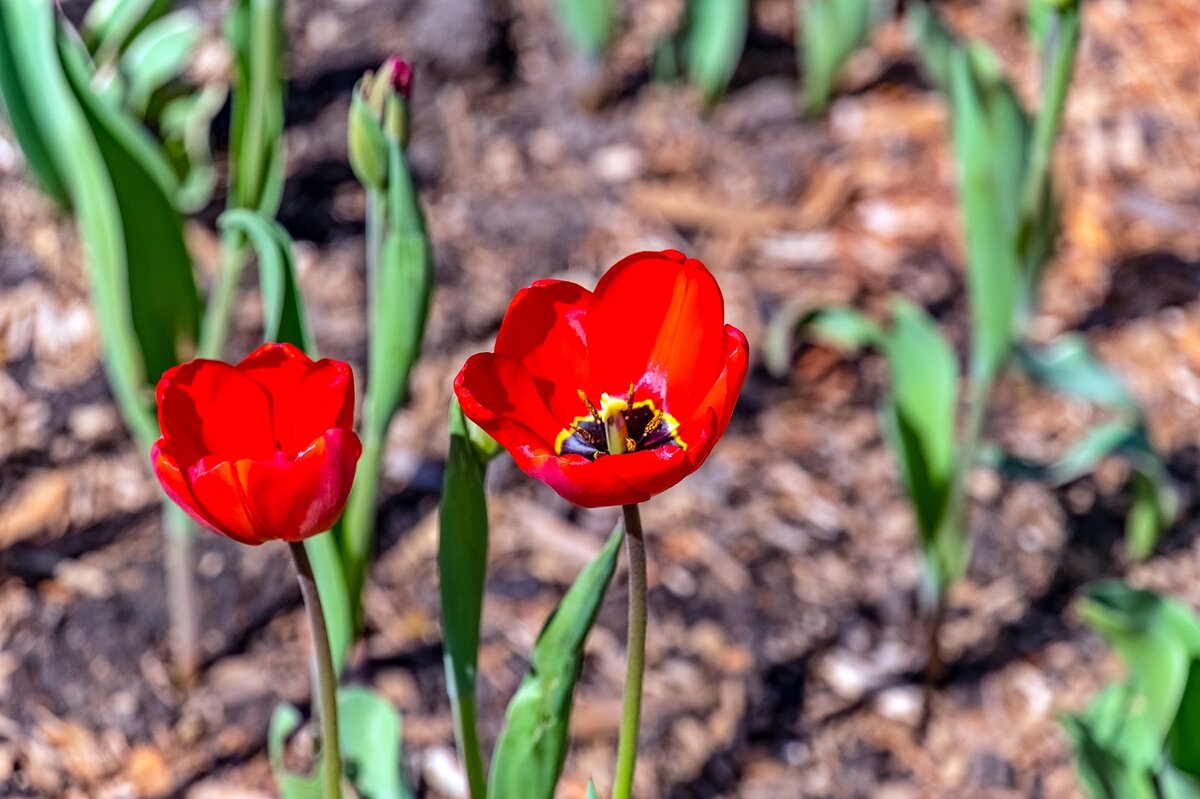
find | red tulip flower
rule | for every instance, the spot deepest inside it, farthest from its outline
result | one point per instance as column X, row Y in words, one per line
column 611, row 396
column 259, row 451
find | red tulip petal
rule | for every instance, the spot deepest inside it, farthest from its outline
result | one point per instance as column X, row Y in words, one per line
column 175, row 484
column 544, row 329
column 498, row 394
column 307, row 398
column 221, row 496
column 294, row 498
column 209, row 408
column 656, row 320
column 723, row 395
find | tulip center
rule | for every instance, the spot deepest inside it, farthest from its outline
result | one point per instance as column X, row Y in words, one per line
column 619, row 425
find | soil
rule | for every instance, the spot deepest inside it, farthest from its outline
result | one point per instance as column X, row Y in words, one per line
column 785, row 647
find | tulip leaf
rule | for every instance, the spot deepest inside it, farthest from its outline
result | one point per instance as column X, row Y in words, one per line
column 163, row 300
column 159, row 54
column 369, row 732
column 255, row 31
column 592, row 793
column 109, row 25
column 371, row 744
column 588, row 24
column 933, row 41
column 716, row 35
column 532, row 747
column 1139, row 737
column 326, row 560
column 1067, row 366
column 843, row 328
column 462, row 568
column 283, row 306
column 17, row 109
column 832, row 30
column 284, row 722
column 185, row 123
column 30, row 31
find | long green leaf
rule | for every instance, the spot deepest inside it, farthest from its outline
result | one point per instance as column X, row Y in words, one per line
column 371, row 744
column 532, row 747
column 68, row 136
column 159, row 54
column 255, row 32
column 462, row 569
column 163, row 300
column 715, row 37
column 832, row 31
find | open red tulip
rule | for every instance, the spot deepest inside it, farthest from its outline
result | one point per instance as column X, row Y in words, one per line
column 259, row 451
column 611, row 396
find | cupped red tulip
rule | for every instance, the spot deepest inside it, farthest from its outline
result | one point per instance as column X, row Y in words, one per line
column 262, row 450
column 613, row 395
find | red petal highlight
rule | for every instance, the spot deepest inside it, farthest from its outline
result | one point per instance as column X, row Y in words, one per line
column 209, row 408
column 498, row 394
column 657, row 320
column 544, row 328
column 307, row 398
column 295, row 498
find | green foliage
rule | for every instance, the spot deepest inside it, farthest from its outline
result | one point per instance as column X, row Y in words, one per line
column 716, row 34
column 462, row 567
column 592, row 793
column 255, row 32
column 918, row 419
column 533, row 745
column 1139, row 737
column 831, row 31
column 371, row 744
column 589, row 24
column 158, row 55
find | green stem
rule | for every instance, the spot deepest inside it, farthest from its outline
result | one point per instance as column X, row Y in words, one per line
column 325, row 692
column 631, row 715
column 358, row 522
column 181, row 592
column 219, row 311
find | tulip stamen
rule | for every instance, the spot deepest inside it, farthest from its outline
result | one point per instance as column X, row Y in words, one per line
column 593, row 413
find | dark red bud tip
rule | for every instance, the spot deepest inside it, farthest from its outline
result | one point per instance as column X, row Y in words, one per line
column 401, row 74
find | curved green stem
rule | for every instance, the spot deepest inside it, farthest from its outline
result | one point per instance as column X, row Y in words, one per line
column 631, row 714
column 325, row 692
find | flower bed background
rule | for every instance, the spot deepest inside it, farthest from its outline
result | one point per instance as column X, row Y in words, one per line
column 785, row 641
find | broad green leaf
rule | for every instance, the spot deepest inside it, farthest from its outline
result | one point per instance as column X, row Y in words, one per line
column 988, row 209
column 1156, row 639
column 371, row 744
column 1101, row 771
column 716, row 35
column 283, row 307
column 256, row 33
column 30, row 28
column 284, row 722
column 1067, row 366
column 833, row 30
column 462, row 570
column 1184, row 740
column 532, row 747
column 16, row 108
column 159, row 54
column 163, row 299
column 588, row 24
column 920, row 411
column 843, row 328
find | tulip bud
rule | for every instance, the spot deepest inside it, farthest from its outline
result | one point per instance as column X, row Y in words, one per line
column 379, row 110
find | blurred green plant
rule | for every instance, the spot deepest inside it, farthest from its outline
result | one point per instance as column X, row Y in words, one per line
column 1011, row 218
column 94, row 157
column 1140, row 738
column 529, row 754
column 706, row 47
column 399, row 288
column 588, row 24
column 830, row 32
